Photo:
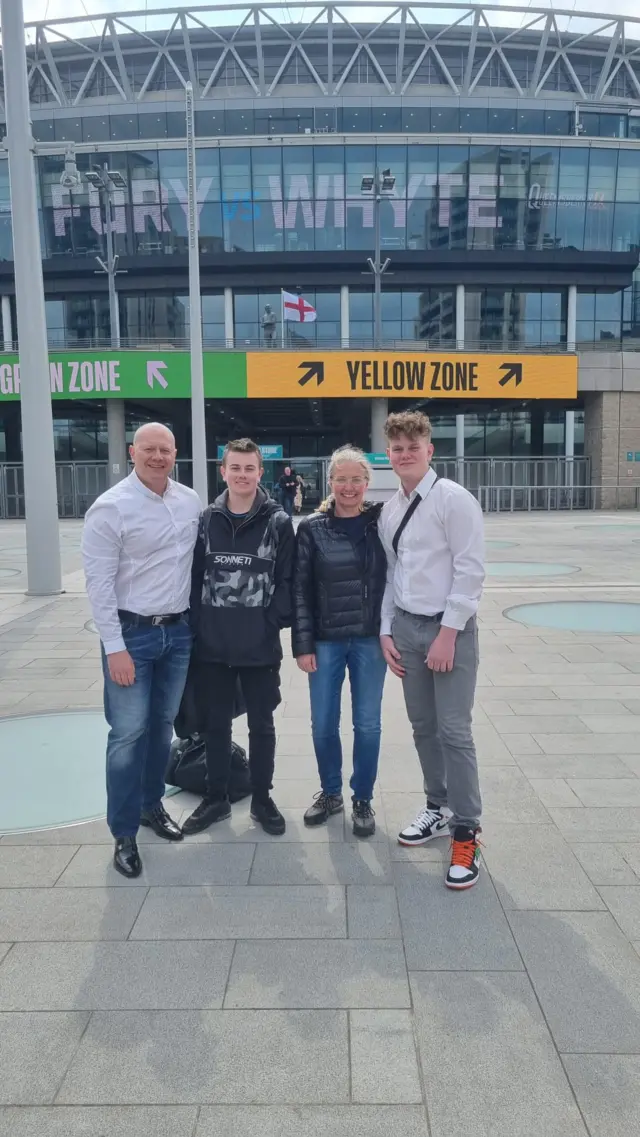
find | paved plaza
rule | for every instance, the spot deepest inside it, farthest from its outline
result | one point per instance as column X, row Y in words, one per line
column 248, row 986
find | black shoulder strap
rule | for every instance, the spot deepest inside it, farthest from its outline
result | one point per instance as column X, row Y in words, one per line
column 407, row 517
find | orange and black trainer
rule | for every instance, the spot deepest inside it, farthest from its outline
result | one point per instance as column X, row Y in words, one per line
column 465, row 858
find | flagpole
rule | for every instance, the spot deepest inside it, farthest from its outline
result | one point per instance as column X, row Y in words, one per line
column 282, row 318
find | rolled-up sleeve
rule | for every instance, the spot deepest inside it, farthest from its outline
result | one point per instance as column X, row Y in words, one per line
column 101, row 549
column 464, row 528
column 388, row 600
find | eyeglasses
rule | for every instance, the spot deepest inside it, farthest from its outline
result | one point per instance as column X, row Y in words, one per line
column 355, row 482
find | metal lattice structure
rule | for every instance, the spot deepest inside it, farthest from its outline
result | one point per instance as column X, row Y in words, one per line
column 248, row 51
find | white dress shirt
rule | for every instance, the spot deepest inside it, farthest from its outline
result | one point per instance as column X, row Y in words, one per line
column 440, row 562
column 137, row 548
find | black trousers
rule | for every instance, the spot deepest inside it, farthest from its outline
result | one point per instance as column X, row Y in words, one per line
column 215, row 692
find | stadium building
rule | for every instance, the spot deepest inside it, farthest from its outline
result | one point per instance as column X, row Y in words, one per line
column 497, row 156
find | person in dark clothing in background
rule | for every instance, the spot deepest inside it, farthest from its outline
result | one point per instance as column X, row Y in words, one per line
column 338, row 585
column 288, row 483
column 240, row 601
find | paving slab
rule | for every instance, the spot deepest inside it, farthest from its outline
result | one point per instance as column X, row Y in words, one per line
column 372, row 912
column 35, row 1050
column 484, row 1033
column 606, row 823
column 590, row 766
column 33, row 867
column 69, row 913
column 607, row 1087
column 435, row 924
column 115, row 976
column 163, row 864
column 554, row 792
column 98, row 1121
column 586, row 976
column 366, row 862
column 538, row 871
column 311, row 1121
column 624, row 905
column 192, row 1057
column 258, row 912
column 598, row 792
column 605, row 864
column 384, row 1066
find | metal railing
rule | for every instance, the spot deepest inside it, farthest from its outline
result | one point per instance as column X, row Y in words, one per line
column 298, row 342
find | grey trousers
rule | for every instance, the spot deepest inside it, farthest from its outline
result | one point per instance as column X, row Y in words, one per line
column 439, row 706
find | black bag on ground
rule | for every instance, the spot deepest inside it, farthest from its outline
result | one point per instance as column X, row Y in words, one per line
column 187, row 768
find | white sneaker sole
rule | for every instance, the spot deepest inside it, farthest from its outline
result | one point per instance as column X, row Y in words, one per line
column 408, row 843
column 463, row 885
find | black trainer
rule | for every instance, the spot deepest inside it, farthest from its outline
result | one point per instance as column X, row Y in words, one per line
column 267, row 814
column 206, row 814
column 363, row 817
column 322, row 808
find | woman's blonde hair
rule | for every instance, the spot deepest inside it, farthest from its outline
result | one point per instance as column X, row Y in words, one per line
column 345, row 454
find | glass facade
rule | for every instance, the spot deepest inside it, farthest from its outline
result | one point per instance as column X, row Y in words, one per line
column 308, row 197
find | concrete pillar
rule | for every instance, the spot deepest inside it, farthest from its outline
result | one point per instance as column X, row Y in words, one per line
column 344, row 315
column 460, row 317
column 569, row 443
column 116, row 441
column 379, row 412
column 460, row 448
column 7, row 326
column 228, row 316
column 612, row 429
column 572, row 309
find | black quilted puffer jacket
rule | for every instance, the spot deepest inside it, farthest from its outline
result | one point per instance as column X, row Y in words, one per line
column 334, row 596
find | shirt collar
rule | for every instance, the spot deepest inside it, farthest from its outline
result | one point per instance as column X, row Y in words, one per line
column 423, row 487
column 140, row 486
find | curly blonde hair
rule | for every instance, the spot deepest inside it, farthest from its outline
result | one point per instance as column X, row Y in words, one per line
column 345, row 454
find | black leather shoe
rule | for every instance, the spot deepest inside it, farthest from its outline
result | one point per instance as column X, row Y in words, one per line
column 126, row 858
column 206, row 814
column 158, row 819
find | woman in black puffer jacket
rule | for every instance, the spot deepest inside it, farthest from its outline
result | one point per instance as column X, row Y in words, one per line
column 339, row 580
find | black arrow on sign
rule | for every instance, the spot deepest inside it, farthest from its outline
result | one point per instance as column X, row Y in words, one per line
column 315, row 371
column 511, row 371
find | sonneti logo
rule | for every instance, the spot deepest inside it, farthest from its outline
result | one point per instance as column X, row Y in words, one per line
column 232, row 560
column 412, row 375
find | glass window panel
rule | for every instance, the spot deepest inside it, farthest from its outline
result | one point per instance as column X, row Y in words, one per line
column 387, row 119
column 43, row 130
column 570, row 223
column 329, row 172
column 474, row 436
column 544, row 171
column 502, row 120
column 514, row 171
column 626, row 228
column 585, row 332
column 391, row 304
column 394, row 158
column 360, row 305
column 553, row 332
column 572, row 183
column 445, row 120
column 68, row 129
column 176, row 124
column 208, row 174
column 521, row 433
column 360, row 161
column 613, row 126
column 298, row 172
column 209, row 124
column 355, row 119
column 421, row 224
column 628, row 188
column 531, row 122
column 97, row 128
column 422, row 171
column 172, row 166
column 211, row 232
column 474, row 120
column 416, row 120
column 245, row 306
column 236, row 173
column 585, row 305
column 589, row 124
column 330, row 228
column 327, row 304
column 552, row 305
column 498, row 433
column 602, row 174
column 599, row 225
column 267, row 172
column 237, row 224
column 238, row 122
column 608, row 305
column 557, row 122
column 607, row 330
column 512, row 218
column 152, row 125
column 123, row 127
column 453, row 166
column 299, row 231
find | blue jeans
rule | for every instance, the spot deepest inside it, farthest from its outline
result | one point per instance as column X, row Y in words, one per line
column 367, row 668
column 141, row 719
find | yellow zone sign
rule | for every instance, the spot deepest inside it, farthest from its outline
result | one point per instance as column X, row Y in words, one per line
column 361, row 374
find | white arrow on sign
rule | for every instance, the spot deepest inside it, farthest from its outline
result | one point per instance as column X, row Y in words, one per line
column 155, row 367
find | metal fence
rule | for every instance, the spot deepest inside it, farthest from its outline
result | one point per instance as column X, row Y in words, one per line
column 500, row 484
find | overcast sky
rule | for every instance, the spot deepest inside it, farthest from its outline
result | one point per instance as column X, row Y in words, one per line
column 55, row 9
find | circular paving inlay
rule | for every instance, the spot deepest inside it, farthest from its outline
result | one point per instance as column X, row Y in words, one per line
column 9, row 572
column 52, row 770
column 528, row 568
column 580, row 616
column 620, row 526
column 501, row 544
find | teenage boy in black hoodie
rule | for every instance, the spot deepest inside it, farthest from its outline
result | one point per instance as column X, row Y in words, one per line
column 240, row 600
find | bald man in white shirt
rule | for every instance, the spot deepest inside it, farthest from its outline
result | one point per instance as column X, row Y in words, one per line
column 432, row 532
column 137, row 548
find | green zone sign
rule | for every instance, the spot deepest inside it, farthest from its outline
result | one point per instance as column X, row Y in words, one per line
column 131, row 375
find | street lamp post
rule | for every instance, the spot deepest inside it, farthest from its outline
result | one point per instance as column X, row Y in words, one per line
column 198, row 422
column 106, row 181
column 44, row 575
column 381, row 184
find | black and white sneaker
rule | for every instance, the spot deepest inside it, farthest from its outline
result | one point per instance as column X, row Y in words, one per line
column 429, row 824
column 363, row 817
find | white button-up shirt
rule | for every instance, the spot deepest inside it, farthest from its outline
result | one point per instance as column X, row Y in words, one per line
column 440, row 562
column 137, row 548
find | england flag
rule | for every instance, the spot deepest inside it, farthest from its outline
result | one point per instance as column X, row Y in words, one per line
column 296, row 309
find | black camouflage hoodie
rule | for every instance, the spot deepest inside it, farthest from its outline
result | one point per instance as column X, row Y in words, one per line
column 241, row 583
